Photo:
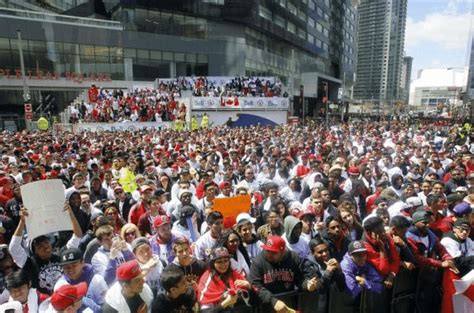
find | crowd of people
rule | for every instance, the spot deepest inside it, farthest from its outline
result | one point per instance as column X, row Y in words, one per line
column 140, row 105
column 339, row 217
column 162, row 104
column 237, row 87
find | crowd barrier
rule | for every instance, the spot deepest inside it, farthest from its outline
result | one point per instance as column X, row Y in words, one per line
column 113, row 127
column 402, row 298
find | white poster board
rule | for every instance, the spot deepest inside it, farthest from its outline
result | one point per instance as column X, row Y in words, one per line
column 44, row 201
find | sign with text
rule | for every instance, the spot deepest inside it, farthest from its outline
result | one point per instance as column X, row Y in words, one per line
column 231, row 207
column 44, row 201
column 47, row 75
column 239, row 103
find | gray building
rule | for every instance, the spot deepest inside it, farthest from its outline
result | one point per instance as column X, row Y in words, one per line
column 140, row 40
column 406, row 79
column 380, row 50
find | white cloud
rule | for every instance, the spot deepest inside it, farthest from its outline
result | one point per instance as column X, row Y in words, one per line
column 444, row 30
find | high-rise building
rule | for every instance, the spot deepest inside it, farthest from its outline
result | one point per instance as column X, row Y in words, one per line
column 406, row 78
column 380, row 48
column 143, row 40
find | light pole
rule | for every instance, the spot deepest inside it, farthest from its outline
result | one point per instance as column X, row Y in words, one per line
column 326, row 89
column 26, row 89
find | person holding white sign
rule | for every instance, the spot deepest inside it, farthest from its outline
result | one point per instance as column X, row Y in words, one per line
column 44, row 266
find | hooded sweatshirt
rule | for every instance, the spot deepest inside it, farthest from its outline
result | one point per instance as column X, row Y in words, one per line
column 373, row 281
column 456, row 247
column 427, row 255
column 269, row 279
column 193, row 271
column 300, row 247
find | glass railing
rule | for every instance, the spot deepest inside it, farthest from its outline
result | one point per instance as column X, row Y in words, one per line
column 57, row 18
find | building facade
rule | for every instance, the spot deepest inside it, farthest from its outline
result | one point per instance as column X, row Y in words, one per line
column 380, row 51
column 436, row 88
column 68, row 45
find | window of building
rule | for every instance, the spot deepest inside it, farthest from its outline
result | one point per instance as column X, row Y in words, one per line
column 311, row 5
column 325, row 32
column 292, row 8
column 301, row 14
column 278, row 20
column 155, row 55
column 291, row 27
column 319, row 27
column 311, row 39
column 265, row 13
column 301, row 33
column 282, row 3
column 310, row 22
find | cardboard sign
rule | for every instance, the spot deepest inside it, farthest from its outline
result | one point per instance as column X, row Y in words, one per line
column 231, row 207
column 44, row 201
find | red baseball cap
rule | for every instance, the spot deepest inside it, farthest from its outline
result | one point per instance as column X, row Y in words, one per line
column 67, row 295
column 161, row 220
column 274, row 244
column 353, row 170
column 129, row 270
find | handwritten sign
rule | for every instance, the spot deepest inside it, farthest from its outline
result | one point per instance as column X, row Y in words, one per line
column 45, row 203
column 231, row 207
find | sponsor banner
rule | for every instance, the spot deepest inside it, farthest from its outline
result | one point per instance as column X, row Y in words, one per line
column 239, row 102
column 243, row 118
column 117, row 127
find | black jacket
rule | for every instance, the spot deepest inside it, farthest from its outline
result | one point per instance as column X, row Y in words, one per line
column 127, row 205
column 270, row 279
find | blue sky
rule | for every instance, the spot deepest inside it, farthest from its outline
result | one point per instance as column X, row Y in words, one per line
column 437, row 33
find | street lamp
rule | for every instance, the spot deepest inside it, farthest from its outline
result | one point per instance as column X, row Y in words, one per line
column 26, row 89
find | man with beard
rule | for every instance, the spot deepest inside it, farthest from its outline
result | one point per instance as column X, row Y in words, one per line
column 456, row 180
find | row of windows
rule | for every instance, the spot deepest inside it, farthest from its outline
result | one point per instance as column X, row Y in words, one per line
column 165, row 55
column 292, row 28
column 158, row 22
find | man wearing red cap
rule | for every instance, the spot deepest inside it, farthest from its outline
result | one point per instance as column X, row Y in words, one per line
column 67, row 299
column 130, row 293
column 161, row 242
column 276, row 270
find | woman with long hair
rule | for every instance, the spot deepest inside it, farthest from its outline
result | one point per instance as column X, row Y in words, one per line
column 220, row 286
column 240, row 260
column 113, row 213
column 350, row 224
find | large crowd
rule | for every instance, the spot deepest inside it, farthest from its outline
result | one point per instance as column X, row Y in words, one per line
column 162, row 104
column 340, row 217
column 140, row 105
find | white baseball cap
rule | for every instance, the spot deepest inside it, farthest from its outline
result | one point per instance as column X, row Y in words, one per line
column 245, row 216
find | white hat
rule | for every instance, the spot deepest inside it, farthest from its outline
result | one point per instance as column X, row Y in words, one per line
column 414, row 201
column 245, row 216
